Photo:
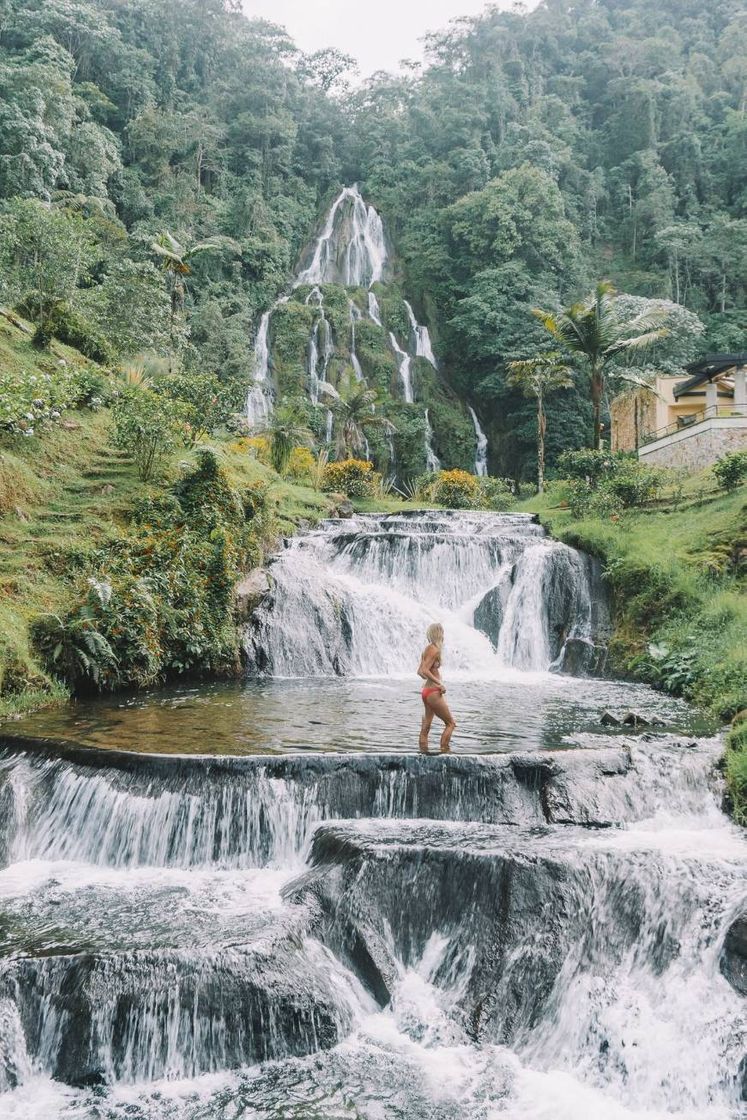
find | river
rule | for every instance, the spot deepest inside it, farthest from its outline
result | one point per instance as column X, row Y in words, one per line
column 262, row 902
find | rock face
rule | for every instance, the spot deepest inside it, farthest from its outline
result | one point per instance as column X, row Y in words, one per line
column 489, row 613
column 250, row 593
column 123, row 1017
column 734, row 955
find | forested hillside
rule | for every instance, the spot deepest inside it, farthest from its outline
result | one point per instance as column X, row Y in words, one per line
column 163, row 164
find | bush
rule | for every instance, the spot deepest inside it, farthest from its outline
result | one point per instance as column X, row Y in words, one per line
column 604, row 484
column 496, row 493
column 354, row 477
column 259, row 448
column 301, row 465
column 207, row 403
column 456, row 490
column 731, row 470
column 31, row 401
column 148, row 427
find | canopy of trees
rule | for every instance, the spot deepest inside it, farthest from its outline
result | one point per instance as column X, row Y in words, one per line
column 533, row 155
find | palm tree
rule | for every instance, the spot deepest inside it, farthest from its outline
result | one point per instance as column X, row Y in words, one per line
column 175, row 262
column 286, row 429
column 356, row 416
column 594, row 331
column 537, row 377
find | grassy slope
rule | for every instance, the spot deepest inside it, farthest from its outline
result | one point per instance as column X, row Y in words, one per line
column 677, row 576
column 65, row 495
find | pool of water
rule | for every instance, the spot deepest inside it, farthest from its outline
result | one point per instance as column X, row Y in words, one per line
column 514, row 710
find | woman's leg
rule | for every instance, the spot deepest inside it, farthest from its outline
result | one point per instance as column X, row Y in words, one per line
column 440, row 708
column 425, row 728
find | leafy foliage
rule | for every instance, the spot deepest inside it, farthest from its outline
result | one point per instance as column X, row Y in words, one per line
column 731, row 470
column 355, row 478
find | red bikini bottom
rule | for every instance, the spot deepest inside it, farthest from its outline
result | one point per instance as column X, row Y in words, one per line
column 429, row 692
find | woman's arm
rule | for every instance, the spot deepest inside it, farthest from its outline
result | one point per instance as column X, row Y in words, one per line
column 427, row 670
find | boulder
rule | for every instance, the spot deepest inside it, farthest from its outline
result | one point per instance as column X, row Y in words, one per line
column 733, row 961
column 581, row 658
column 250, row 592
column 609, row 719
column 488, row 617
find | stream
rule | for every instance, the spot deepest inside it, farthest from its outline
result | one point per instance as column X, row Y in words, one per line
column 260, row 901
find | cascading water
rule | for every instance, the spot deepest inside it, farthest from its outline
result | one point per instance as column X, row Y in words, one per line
column 404, row 362
column 481, row 454
column 356, row 596
column 421, row 337
column 351, row 249
column 433, row 463
column 259, row 402
column 355, row 317
column 374, row 310
column 371, row 936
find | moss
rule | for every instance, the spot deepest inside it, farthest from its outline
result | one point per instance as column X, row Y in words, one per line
column 394, row 315
column 378, row 363
column 291, row 327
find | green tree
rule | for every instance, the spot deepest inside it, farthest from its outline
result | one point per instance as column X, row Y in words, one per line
column 45, row 254
column 287, row 429
column 594, row 332
column 539, row 377
column 356, row 417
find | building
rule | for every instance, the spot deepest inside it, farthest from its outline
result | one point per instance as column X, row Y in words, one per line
column 688, row 421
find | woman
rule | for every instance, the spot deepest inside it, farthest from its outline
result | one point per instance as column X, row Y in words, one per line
column 433, row 692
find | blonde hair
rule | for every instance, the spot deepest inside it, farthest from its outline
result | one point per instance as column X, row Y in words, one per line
column 435, row 634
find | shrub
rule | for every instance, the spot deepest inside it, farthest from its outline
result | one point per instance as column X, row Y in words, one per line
column 206, row 402
column 148, row 427
column 496, row 493
column 354, row 477
column 301, row 465
column 30, row 401
column 456, row 490
column 731, row 470
column 604, row 484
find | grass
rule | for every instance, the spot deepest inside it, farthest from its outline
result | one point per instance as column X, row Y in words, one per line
column 676, row 573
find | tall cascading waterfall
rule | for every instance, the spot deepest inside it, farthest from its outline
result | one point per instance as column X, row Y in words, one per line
column 481, row 454
column 350, row 251
column 259, row 402
column 356, row 596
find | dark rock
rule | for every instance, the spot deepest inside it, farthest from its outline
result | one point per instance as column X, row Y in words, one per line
column 733, row 961
column 345, row 509
column 95, row 1019
column 488, row 617
column 609, row 719
column 250, row 592
column 581, row 658
column 635, row 719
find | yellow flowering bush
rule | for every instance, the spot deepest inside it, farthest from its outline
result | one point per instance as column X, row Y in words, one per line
column 354, row 477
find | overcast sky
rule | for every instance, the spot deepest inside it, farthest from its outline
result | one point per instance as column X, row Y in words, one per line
column 377, row 32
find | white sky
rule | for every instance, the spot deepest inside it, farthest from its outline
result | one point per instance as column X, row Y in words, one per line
column 379, row 33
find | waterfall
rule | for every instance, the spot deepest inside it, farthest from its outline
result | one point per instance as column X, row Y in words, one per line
column 433, row 463
column 445, row 933
column 355, row 317
column 351, row 249
column 404, row 362
column 481, row 455
column 355, row 598
column 259, row 402
column 374, row 310
column 421, row 337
